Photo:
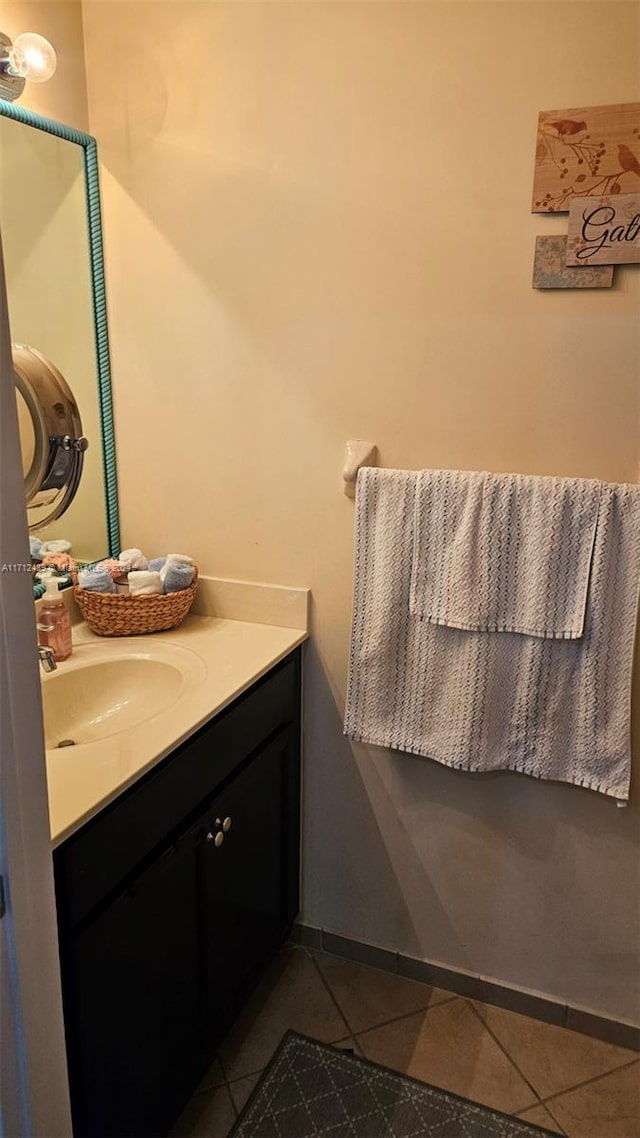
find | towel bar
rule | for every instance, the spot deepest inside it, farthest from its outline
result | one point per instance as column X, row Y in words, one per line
column 357, row 453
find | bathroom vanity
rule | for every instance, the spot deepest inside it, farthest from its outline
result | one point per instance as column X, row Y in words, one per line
column 172, row 898
column 173, row 760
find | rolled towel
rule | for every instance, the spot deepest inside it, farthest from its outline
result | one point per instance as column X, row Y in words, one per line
column 174, row 559
column 144, row 582
column 178, row 577
column 113, row 567
column 157, row 563
column 38, row 591
column 132, row 559
column 60, row 561
column 96, row 580
column 35, row 548
column 55, row 547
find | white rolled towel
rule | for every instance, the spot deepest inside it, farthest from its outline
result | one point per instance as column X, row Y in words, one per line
column 173, row 561
column 59, row 546
column 132, row 559
column 144, row 582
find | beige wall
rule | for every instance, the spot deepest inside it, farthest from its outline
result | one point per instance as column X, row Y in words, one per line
column 317, row 227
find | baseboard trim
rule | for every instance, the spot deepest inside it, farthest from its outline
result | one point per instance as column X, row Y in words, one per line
column 531, row 1004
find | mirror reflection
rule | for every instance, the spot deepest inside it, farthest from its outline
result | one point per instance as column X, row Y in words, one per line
column 46, row 245
column 51, row 439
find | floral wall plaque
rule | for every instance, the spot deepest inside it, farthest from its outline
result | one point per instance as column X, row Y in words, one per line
column 586, row 151
column 550, row 269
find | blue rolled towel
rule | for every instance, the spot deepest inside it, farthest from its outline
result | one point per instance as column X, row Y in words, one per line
column 178, row 577
column 38, row 591
column 96, row 580
column 35, row 548
column 157, row 563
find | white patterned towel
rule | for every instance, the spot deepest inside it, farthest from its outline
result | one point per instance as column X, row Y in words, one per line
column 552, row 708
column 503, row 552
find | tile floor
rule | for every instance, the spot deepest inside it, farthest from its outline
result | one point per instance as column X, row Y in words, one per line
column 567, row 1082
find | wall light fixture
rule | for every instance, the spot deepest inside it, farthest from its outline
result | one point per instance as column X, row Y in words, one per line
column 30, row 56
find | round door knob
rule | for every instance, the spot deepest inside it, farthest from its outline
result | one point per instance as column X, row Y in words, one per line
column 226, row 825
column 219, row 838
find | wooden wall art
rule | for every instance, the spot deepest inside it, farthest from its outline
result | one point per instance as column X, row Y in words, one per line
column 550, row 269
column 586, row 151
column 604, row 230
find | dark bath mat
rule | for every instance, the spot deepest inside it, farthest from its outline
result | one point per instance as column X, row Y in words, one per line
column 312, row 1090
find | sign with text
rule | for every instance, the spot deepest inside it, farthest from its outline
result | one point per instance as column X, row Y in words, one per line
column 604, row 230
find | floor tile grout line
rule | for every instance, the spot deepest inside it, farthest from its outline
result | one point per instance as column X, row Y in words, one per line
column 350, row 1034
column 588, row 1082
column 561, row 1133
column 260, row 1070
column 555, row 1120
column 286, row 948
column 219, row 1058
column 557, row 1094
column 327, row 986
column 406, row 1015
column 505, row 1052
column 230, row 1097
column 248, row 1075
column 561, row 1130
column 387, row 1022
column 425, row 1011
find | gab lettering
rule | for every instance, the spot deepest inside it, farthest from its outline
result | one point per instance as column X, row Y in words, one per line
column 600, row 231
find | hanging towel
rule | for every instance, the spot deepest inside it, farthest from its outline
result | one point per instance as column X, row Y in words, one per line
column 503, row 552
column 553, row 708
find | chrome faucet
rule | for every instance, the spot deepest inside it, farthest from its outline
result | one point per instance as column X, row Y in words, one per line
column 47, row 658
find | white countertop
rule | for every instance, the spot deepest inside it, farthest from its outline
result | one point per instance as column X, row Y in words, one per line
column 232, row 655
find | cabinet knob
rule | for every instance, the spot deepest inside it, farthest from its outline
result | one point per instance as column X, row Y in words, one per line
column 217, row 839
column 226, row 825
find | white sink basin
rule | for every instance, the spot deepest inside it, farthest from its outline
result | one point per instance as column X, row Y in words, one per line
column 105, row 689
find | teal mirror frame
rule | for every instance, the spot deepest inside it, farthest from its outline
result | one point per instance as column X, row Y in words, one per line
column 94, row 228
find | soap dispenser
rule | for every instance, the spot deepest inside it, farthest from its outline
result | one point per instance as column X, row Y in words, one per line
column 54, row 622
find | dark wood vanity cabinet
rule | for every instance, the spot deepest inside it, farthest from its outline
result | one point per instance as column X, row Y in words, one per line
column 170, row 902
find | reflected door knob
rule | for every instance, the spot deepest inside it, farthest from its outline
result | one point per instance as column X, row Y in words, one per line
column 217, row 839
column 224, row 825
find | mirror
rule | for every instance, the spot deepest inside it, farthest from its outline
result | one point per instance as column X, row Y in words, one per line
column 52, row 244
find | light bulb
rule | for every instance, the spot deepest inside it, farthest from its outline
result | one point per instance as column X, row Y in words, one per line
column 32, row 57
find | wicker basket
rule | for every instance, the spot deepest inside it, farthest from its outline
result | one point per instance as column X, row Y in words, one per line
column 120, row 614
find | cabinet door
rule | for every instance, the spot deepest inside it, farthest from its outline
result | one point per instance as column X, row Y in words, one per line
column 250, row 874
column 132, row 1003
